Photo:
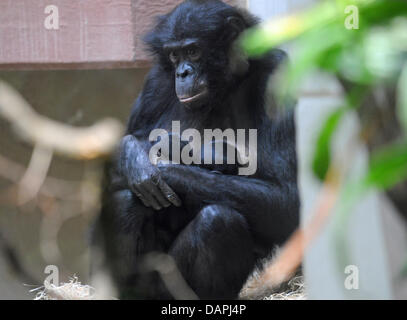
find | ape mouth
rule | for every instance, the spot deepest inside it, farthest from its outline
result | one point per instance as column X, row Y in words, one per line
column 189, row 99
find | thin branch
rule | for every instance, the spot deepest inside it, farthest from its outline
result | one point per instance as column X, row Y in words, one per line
column 84, row 143
column 52, row 187
column 291, row 255
column 35, row 175
column 174, row 281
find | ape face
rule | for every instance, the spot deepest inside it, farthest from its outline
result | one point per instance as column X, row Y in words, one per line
column 191, row 83
column 195, row 45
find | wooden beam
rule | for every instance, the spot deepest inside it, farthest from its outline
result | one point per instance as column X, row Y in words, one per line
column 90, row 33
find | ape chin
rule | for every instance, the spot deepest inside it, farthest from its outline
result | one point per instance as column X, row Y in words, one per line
column 197, row 101
column 213, row 223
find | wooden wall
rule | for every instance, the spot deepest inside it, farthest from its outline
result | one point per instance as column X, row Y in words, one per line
column 90, row 34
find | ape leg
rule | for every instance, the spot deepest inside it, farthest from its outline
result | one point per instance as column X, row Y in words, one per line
column 129, row 232
column 215, row 253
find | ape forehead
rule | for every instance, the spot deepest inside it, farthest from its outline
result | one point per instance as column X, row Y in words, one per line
column 192, row 19
column 171, row 45
column 182, row 35
column 206, row 20
column 191, row 28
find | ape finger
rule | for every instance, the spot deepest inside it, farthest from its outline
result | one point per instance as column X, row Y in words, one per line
column 139, row 195
column 146, row 191
column 169, row 193
column 156, row 192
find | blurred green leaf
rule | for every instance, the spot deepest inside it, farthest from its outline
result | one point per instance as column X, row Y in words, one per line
column 370, row 55
column 322, row 155
column 328, row 13
column 323, row 41
column 404, row 269
column 402, row 98
column 387, row 167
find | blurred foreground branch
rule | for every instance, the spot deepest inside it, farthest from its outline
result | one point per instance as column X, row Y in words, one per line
column 83, row 143
column 289, row 259
column 52, row 187
column 165, row 265
column 35, row 175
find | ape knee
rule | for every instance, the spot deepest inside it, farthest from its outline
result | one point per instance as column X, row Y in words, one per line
column 122, row 201
column 125, row 211
column 125, row 200
column 122, row 196
column 215, row 218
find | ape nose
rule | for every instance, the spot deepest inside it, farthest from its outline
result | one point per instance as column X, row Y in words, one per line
column 184, row 71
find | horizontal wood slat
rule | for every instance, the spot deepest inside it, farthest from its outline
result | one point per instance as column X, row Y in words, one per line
column 91, row 33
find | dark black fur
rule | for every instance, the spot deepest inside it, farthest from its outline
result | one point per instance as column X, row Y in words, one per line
column 226, row 222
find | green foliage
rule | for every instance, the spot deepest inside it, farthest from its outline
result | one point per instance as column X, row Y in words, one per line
column 371, row 54
column 402, row 98
column 387, row 167
column 404, row 270
column 322, row 156
column 374, row 54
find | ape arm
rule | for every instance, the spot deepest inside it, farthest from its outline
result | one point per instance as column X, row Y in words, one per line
column 143, row 178
column 271, row 208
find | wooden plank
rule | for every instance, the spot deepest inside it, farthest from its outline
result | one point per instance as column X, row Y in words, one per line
column 90, row 34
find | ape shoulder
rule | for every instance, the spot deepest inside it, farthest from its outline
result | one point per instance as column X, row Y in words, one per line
column 157, row 96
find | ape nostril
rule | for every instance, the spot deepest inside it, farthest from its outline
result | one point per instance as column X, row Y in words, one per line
column 184, row 70
column 183, row 74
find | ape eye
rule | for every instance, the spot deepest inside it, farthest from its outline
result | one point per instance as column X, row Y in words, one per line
column 193, row 53
column 173, row 56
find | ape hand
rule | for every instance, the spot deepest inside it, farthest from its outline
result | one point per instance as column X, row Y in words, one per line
column 143, row 178
column 182, row 178
column 148, row 185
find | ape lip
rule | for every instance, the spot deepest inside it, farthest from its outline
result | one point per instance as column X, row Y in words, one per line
column 193, row 98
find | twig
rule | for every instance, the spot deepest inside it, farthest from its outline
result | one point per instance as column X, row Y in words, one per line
column 291, row 255
column 84, row 143
column 52, row 187
column 35, row 174
column 10, row 256
column 174, row 281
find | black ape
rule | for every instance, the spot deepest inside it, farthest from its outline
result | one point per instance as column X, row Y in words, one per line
column 214, row 223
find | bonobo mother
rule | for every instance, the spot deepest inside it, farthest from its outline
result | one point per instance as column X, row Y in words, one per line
column 215, row 223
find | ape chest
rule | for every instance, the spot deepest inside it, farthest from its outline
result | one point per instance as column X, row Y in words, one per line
column 215, row 149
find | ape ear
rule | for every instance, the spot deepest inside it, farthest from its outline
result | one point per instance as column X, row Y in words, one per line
column 235, row 26
column 238, row 60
